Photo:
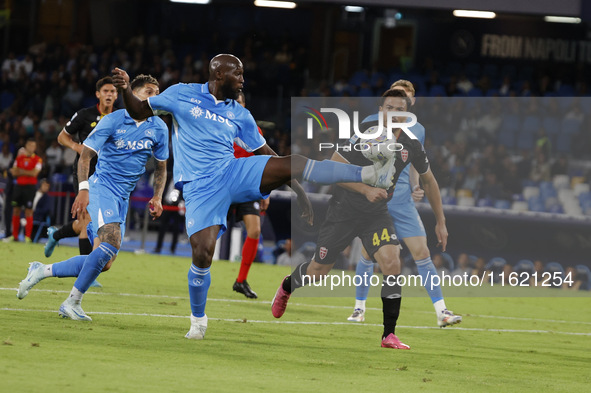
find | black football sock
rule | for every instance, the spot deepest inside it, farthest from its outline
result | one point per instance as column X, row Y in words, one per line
column 295, row 281
column 65, row 231
column 84, row 246
column 391, row 299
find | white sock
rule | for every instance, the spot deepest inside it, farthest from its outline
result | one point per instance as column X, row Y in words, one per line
column 75, row 295
column 48, row 271
column 369, row 175
column 360, row 304
column 439, row 306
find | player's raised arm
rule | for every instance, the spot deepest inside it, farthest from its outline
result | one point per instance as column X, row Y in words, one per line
column 137, row 108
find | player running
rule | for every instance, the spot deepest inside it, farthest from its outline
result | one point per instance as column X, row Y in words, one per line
column 410, row 229
column 125, row 146
column 357, row 210
column 206, row 122
column 80, row 126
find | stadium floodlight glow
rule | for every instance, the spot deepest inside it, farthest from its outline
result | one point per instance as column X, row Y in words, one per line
column 275, row 4
column 562, row 19
column 191, row 1
column 354, row 8
column 474, row 14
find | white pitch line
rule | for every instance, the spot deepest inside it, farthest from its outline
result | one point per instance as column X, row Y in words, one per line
column 307, row 322
column 300, row 305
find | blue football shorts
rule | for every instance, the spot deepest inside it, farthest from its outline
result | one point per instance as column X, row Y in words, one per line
column 105, row 207
column 407, row 221
column 208, row 199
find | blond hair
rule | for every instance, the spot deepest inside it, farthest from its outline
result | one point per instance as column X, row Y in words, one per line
column 406, row 85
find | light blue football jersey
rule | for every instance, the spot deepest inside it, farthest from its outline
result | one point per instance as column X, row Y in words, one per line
column 124, row 148
column 402, row 192
column 204, row 129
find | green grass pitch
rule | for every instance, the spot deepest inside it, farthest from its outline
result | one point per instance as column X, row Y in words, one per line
column 136, row 343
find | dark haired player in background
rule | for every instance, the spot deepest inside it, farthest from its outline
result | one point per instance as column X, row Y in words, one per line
column 80, row 126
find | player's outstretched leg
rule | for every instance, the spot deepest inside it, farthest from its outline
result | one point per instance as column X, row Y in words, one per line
column 34, row 275
column 280, row 170
column 427, row 271
column 363, row 273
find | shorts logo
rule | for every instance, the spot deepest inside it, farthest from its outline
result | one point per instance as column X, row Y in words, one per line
column 190, row 223
column 197, row 282
column 404, row 154
column 323, row 252
column 257, row 206
column 197, row 112
column 93, row 124
column 108, row 213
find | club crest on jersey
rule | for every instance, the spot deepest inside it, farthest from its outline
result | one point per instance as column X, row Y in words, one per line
column 230, row 115
column 149, row 133
column 109, row 213
column 322, row 253
column 197, row 112
column 404, row 154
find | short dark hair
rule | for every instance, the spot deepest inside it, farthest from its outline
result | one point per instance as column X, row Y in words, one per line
column 395, row 93
column 31, row 139
column 139, row 81
column 107, row 80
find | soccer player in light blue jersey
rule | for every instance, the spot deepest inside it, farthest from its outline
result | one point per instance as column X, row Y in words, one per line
column 410, row 229
column 206, row 122
column 123, row 145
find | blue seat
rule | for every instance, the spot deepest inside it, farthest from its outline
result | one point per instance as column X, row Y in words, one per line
column 496, row 265
column 554, row 267
column 449, row 200
column 437, row 91
column 449, row 261
column 42, row 225
column 570, row 126
column 484, row 202
column 525, row 265
column 6, row 99
column 531, row 124
column 502, row 204
column 582, row 271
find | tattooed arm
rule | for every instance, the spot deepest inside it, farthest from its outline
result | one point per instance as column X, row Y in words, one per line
column 81, row 202
column 159, row 183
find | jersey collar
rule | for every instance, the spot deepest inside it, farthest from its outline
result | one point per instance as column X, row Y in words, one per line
column 130, row 120
column 205, row 90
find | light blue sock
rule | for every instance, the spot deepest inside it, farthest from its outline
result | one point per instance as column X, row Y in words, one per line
column 364, row 270
column 329, row 172
column 427, row 270
column 93, row 265
column 199, row 281
column 68, row 268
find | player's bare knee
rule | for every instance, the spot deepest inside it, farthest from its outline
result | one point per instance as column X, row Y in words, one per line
column 202, row 257
column 110, row 234
column 420, row 253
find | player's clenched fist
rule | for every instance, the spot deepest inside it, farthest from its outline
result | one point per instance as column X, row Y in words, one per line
column 120, row 78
